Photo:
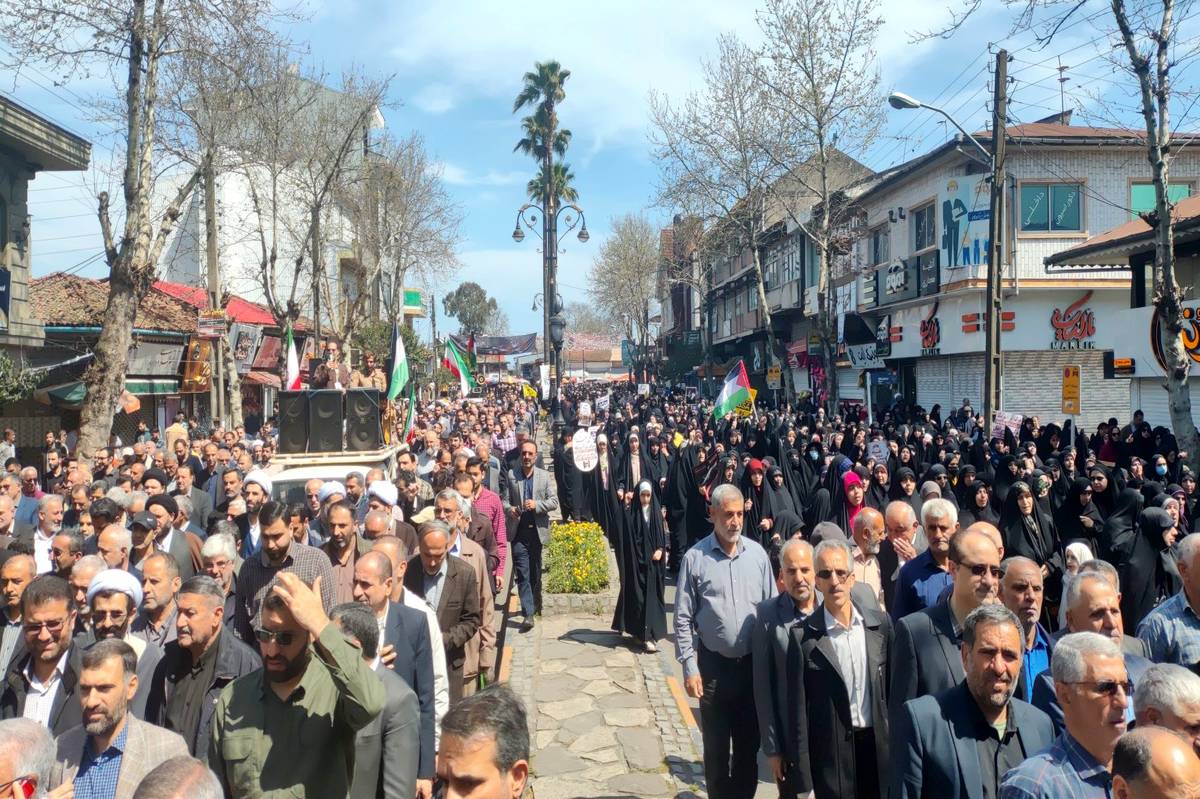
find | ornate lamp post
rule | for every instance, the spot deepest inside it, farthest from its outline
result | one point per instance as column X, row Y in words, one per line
column 572, row 217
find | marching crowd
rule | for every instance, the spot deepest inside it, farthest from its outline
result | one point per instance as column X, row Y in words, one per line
column 173, row 627
column 913, row 607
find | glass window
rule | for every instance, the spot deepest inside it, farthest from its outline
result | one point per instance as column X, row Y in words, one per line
column 879, row 246
column 752, row 298
column 1141, row 195
column 1051, row 206
column 924, row 229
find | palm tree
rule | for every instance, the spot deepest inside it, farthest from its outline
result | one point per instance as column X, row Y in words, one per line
column 535, row 132
column 561, row 188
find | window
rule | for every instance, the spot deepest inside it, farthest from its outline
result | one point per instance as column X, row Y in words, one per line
column 752, row 298
column 737, row 303
column 924, row 228
column 811, row 264
column 879, row 245
column 1048, row 207
column 771, row 274
column 1141, row 195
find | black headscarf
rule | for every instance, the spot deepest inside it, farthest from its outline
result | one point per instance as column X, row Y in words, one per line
column 969, row 512
column 1031, row 536
column 1067, row 519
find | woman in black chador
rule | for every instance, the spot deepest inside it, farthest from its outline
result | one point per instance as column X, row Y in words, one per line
column 641, row 606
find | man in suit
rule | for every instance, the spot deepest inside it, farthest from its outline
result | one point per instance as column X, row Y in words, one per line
column 449, row 585
column 1104, row 619
column 528, row 502
column 927, row 658
column 453, row 509
column 774, row 619
column 1021, row 591
column 387, row 750
column 837, row 673
column 49, row 694
column 949, row 745
column 903, row 543
column 109, row 731
column 202, row 504
column 166, row 537
column 403, row 638
column 1093, row 605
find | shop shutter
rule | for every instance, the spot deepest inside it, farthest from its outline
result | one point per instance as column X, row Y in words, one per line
column 848, row 387
column 1032, row 386
column 933, row 384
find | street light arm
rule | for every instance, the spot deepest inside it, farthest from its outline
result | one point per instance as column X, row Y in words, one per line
column 987, row 156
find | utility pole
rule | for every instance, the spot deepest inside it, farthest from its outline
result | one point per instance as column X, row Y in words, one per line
column 433, row 358
column 216, row 383
column 316, row 268
column 992, row 373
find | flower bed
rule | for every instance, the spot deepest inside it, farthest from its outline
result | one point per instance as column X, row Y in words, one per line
column 576, row 559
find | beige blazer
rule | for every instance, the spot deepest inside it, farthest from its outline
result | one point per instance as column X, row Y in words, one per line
column 146, row 746
column 481, row 649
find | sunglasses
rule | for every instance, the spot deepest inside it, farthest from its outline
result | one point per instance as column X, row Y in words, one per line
column 980, row 569
column 1109, row 687
column 828, row 574
column 269, row 636
column 53, row 627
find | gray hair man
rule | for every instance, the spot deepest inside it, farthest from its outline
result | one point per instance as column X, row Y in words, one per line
column 923, row 579
column 713, row 638
column 1168, row 696
column 1172, row 630
column 1093, row 691
column 49, row 522
column 26, row 758
column 180, row 778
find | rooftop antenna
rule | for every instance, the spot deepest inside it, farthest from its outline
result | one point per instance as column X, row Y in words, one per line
column 1062, row 83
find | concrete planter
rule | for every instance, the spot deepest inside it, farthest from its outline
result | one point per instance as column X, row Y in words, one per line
column 601, row 604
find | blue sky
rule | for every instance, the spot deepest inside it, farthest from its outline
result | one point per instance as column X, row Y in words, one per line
column 457, row 66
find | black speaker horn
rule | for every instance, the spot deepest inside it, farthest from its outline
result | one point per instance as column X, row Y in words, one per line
column 362, row 420
column 293, row 422
column 325, row 421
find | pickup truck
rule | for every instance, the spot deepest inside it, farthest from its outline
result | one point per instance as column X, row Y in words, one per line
column 289, row 473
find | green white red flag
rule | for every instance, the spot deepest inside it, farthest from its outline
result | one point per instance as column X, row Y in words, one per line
column 456, row 361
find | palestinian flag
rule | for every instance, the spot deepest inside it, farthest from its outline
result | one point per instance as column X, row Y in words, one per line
column 398, row 374
column 408, row 435
column 292, row 382
column 735, row 391
column 456, row 361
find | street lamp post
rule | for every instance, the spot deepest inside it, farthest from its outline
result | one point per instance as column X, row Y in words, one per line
column 994, row 158
column 527, row 215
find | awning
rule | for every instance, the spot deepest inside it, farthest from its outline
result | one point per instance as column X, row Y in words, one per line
column 71, row 395
column 257, row 378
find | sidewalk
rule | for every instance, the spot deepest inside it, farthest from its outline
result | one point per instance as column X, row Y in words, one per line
column 604, row 721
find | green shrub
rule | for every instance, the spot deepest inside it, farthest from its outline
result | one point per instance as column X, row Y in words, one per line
column 576, row 559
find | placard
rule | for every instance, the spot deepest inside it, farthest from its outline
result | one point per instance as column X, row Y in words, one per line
column 643, row 389
column 602, row 403
column 878, row 449
column 774, row 378
column 583, row 450
column 1010, row 420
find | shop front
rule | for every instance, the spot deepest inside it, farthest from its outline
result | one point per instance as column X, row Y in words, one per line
column 1138, row 355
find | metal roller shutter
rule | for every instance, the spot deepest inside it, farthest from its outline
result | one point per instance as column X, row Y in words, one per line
column 933, row 383
column 848, row 387
column 1032, row 384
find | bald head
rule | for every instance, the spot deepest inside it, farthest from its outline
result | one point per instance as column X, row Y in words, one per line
column 1154, row 762
column 992, row 532
column 376, row 523
column 868, row 530
column 975, row 566
column 377, row 562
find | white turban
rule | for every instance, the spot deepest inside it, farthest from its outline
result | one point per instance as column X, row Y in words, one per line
column 385, row 492
column 261, row 479
column 329, row 489
column 116, row 580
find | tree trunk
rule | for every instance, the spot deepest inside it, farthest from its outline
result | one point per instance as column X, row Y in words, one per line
column 105, row 378
column 233, row 387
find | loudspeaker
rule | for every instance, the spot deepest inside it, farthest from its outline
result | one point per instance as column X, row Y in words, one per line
column 325, row 421
column 362, row 420
column 293, row 422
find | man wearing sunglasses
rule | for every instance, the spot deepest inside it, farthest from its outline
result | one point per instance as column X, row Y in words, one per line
column 926, row 656
column 293, row 722
column 1094, row 691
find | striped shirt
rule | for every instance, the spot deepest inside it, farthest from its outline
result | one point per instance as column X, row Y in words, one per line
column 258, row 575
column 1064, row 771
column 1172, row 632
column 488, row 503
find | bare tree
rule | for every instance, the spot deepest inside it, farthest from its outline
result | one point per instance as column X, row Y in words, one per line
column 1148, row 35
column 823, row 82
column 622, row 276
column 720, row 151
column 587, row 318
column 138, row 44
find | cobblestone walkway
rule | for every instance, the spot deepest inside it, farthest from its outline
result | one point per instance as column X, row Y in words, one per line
column 604, row 721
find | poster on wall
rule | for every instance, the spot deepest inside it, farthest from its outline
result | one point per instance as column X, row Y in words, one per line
column 243, row 343
column 965, row 217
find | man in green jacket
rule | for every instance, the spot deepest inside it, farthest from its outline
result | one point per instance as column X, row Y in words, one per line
column 291, row 725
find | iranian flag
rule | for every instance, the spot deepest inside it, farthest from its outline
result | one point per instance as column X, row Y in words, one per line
column 409, row 415
column 292, row 383
column 456, row 361
column 399, row 372
column 471, row 359
column 735, row 391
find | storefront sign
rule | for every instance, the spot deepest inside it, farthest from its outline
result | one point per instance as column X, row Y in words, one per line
column 883, row 336
column 897, row 282
column 211, row 324
column 931, row 333
column 154, row 360
column 197, row 367
column 5, row 297
column 1075, row 326
column 1189, row 337
column 931, row 276
column 864, row 356
column 243, row 342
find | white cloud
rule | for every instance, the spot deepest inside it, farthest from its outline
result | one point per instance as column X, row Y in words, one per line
column 436, row 98
column 457, row 175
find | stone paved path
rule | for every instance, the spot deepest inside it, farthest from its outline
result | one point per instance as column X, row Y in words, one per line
column 603, row 720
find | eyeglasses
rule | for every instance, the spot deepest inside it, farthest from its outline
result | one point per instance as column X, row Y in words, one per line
column 24, row 778
column 114, row 615
column 1108, row 687
column 268, row 636
column 53, row 627
column 828, row 574
column 980, row 569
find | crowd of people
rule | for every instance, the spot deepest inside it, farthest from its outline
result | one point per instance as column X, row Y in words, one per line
column 172, row 627
column 913, row 607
